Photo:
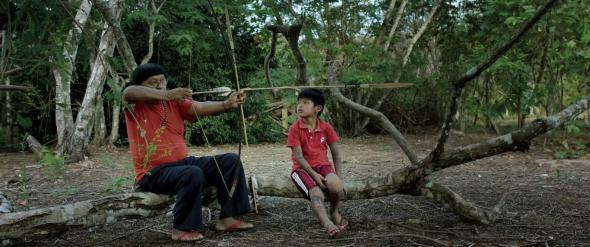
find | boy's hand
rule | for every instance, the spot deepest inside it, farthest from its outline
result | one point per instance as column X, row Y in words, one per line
column 319, row 180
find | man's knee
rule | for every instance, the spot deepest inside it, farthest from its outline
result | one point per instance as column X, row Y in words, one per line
column 193, row 176
column 231, row 157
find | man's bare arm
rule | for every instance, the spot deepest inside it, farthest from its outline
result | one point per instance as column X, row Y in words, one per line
column 214, row 107
column 140, row 93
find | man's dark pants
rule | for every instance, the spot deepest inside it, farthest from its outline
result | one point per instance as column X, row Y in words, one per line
column 187, row 179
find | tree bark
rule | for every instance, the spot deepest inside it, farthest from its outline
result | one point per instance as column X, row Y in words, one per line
column 35, row 146
column 116, row 117
column 5, row 206
column 476, row 71
column 152, row 27
column 76, row 147
column 128, row 59
column 412, row 180
column 6, row 118
column 40, row 223
column 385, row 23
column 63, row 74
column 398, row 17
column 100, row 126
column 291, row 33
column 267, row 59
column 406, row 57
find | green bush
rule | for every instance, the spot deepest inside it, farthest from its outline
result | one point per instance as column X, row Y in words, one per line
column 226, row 128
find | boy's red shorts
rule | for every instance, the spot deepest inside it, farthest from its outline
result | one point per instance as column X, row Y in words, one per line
column 304, row 182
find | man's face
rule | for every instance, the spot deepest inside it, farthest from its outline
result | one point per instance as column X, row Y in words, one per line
column 156, row 81
column 306, row 108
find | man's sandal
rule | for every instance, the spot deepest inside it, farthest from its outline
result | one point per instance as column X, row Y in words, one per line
column 236, row 226
column 187, row 236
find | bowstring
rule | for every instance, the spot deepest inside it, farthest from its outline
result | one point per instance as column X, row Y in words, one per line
column 200, row 124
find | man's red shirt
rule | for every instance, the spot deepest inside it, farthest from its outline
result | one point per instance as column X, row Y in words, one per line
column 314, row 144
column 156, row 133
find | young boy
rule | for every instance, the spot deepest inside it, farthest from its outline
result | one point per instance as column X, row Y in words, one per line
column 312, row 173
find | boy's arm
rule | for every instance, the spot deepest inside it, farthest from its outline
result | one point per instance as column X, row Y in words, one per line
column 298, row 153
column 336, row 159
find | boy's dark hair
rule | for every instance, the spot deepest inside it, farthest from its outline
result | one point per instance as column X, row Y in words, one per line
column 144, row 71
column 316, row 96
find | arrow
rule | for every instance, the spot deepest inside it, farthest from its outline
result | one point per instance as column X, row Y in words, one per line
column 224, row 91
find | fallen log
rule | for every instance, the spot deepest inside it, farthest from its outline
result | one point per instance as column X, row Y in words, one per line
column 44, row 222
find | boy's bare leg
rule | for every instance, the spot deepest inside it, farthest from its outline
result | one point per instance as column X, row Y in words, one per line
column 336, row 194
column 316, row 197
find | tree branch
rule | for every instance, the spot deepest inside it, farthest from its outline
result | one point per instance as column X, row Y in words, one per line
column 43, row 222
column 291, row 33
column 466, row 209
column 374, row 115
column 269, row 56
column 15, row 88
column 122, row 44
column 476, row 71
column 518, row 140
column 398, row 17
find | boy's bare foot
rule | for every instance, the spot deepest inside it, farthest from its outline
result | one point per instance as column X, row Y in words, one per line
column 178, row 235
column 232, row 225
column 340, row 221
column 332, row 230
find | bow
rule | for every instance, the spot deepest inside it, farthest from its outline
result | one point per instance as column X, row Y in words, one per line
column 230, row 191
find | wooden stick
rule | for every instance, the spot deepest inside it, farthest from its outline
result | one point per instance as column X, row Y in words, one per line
column 376, row 85
column 235, row 68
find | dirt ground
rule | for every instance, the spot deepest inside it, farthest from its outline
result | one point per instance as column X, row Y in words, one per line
column 547, row 203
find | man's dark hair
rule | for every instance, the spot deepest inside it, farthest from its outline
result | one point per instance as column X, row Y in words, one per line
column 316, row 96
column 144, row 71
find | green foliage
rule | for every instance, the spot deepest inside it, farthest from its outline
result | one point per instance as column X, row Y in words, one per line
column 67, row 192
column 226, row 128
column 117, row 184
column 576, row 148
column 53, row 165
column 546, row 70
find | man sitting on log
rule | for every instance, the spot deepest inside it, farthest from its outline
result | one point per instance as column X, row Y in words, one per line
column 312, row 173
column 155, row 128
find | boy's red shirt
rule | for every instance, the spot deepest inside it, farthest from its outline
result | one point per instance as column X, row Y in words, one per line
column 159, row 128
column 314, row 145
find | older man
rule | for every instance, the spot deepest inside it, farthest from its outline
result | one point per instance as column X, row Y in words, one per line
column 155, row 127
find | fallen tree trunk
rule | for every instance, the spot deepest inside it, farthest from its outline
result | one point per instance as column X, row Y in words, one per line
column 39, row 223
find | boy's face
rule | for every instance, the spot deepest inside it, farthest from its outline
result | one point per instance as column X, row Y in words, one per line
column 156, row 81
column 306, row 108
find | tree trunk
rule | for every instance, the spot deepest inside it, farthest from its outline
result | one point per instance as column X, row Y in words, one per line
column 40, row 223
column 6, row 118
column 76, row 147
column 406, row 57
column 385, row 25
column 398, row 17
column 100, row 127
column 116, row 117
column 291, row 34
column 267, row 59
column 412, row 180
column 35, row 146
column 63, row 73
